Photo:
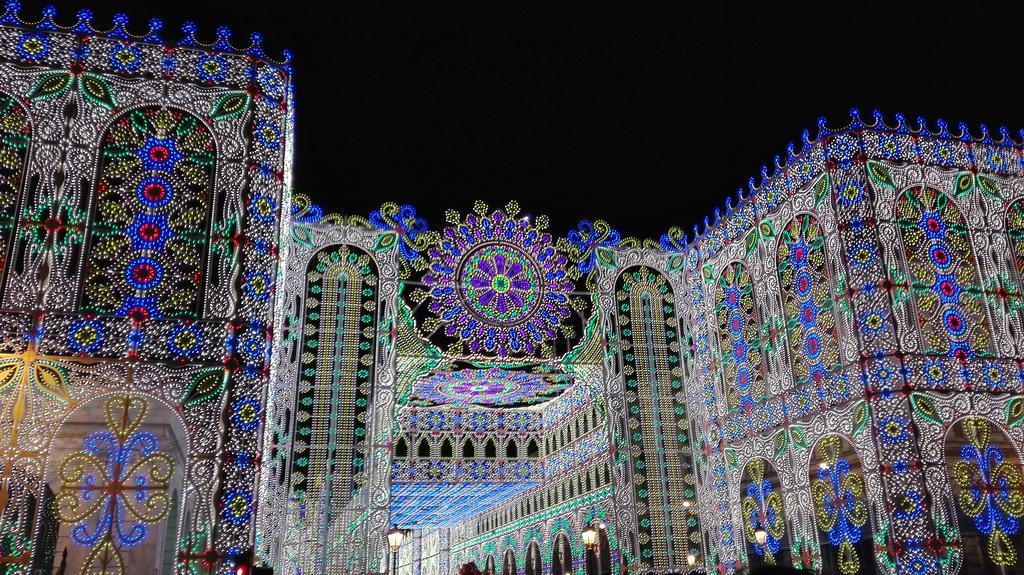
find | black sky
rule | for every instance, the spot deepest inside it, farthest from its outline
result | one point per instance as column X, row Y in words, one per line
column 647, row 114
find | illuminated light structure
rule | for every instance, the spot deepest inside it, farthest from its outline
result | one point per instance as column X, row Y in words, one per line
column 141, row 184
column 827, row 375
column 777, row 388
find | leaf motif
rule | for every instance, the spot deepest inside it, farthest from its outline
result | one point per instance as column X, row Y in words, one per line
column 799, row 436
column 781, row 443
column 1015, row 411
column 97, row 90
column 9, row 372
column 964, row 184
column 302, row 235
column 767, row 229
column 988, row 186
column 731, row 458
column 860, row 417
column 925, row 407
column 880, row 174
column 750, row 240
column 103, row 558
column 51, row 380
column 607, row 258
column 386, row 241
column 231, row 105
column 204, row 386
column 706, row 272
column 51, row 86
column 821, row 188
column 675, row 263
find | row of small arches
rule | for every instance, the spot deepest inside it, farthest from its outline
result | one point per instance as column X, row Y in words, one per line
column 555, row 492
column 513, row 448
column 579, row 426
column 561, row 559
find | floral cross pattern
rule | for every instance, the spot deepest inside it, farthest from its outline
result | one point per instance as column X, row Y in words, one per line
column 839, row 503
column 115, row 487
column 762, row 509
column 989, row 491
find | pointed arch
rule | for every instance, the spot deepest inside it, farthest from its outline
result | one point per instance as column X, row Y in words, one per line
column 761, row 501
column 839, row 496
column 446, row 448
column 739, row 331
column 490, row 449
column 15, row 139
column 807, row 302
column 508, row 565
column 1015, row 234
column 533, row 559
column 943, row 274
column 336, row 372
column 652, row 376
column 401, row 447
column 468, row 449
column 149, row 228
column 423, row 449
column 985, row 472
column 561, row 555
column 532, row 449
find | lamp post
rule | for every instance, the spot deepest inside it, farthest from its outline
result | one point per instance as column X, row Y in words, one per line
column 592, row 542
column 395, row 538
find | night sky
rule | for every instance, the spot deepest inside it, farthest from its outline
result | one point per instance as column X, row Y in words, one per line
column 645, row 114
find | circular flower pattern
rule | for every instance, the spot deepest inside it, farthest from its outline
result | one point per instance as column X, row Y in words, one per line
column 498, row 285
column 86, row 335
column 126, row 58
column 245, row 414
column 237, row 506
column 212, row 68
column 490, row 387
column 33, row 46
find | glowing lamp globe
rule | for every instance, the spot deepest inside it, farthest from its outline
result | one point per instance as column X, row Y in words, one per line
column 395, row 538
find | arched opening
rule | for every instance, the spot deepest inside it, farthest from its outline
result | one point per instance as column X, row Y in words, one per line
column 985, row 472
column 117, row 466
column 511, row 449
column 489, row 566
column 947, row 291
column 401, row 448
column 761, row 501
column 533, row 562
column 532, row 449
column 807, row 302
column 149, row 230
column 15, row 137
column 561, row 556
column 490, row 449
column 841, row 508
column 424, row 448
column 508, row 566
column 468, row 449
column 446, row 448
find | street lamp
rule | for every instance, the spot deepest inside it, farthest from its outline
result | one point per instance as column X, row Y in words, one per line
column 395, row 538
column 592, row 542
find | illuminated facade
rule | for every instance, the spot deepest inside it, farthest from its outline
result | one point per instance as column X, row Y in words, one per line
column 826, row 375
